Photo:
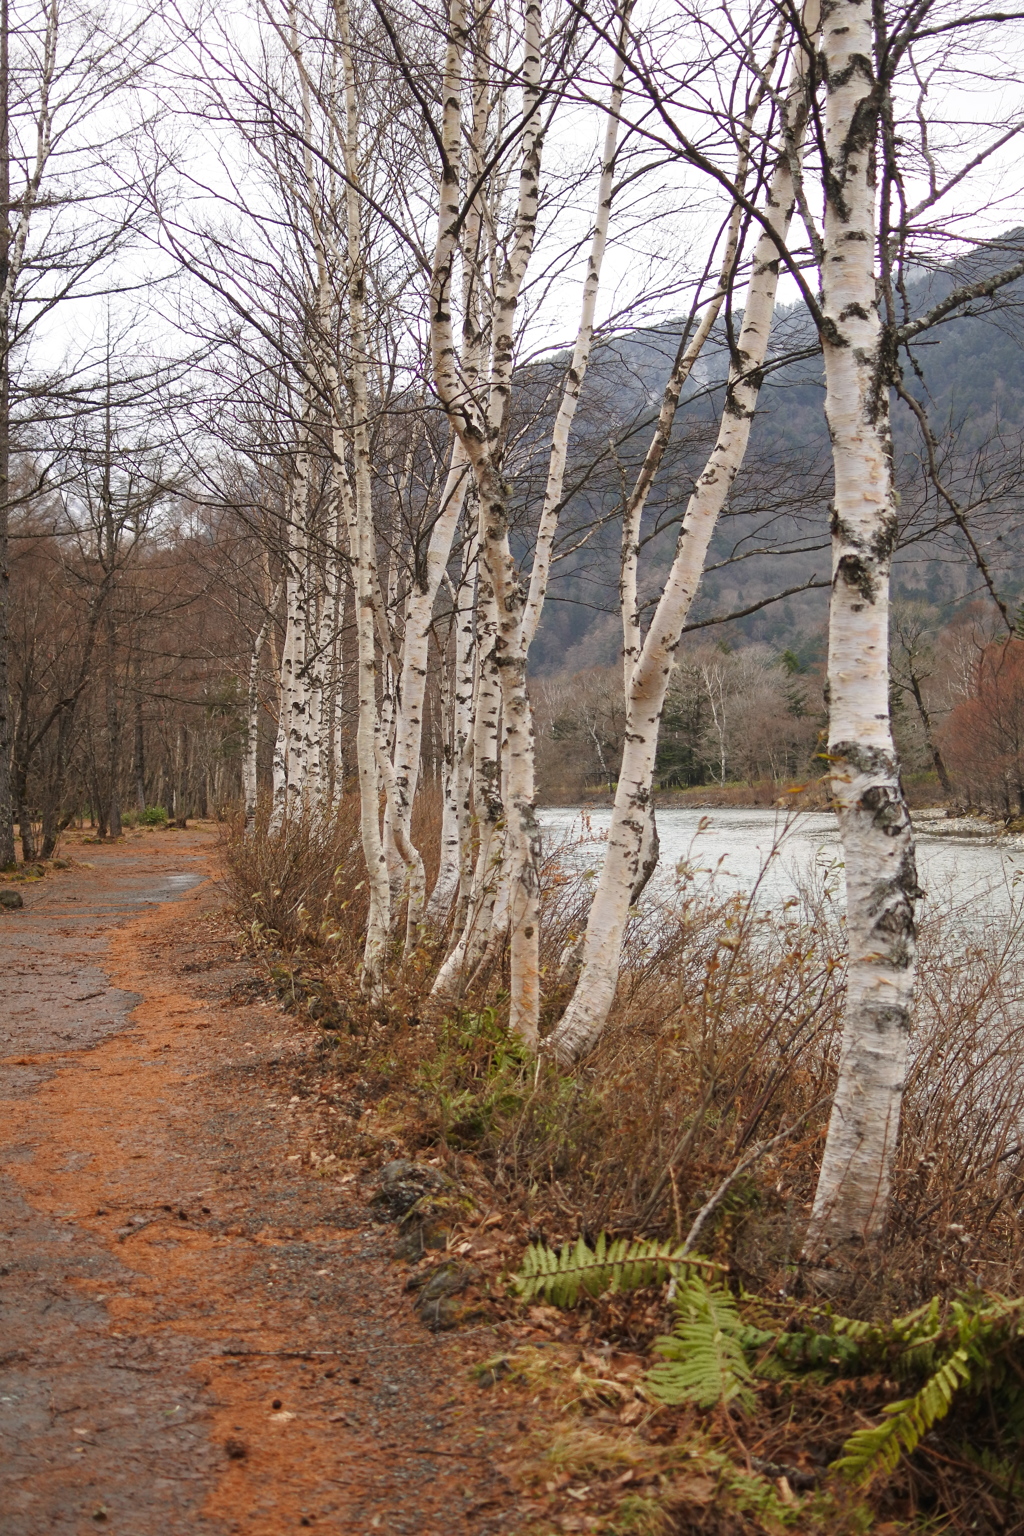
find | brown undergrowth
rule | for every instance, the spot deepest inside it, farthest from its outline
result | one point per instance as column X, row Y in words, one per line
column 707, row 1099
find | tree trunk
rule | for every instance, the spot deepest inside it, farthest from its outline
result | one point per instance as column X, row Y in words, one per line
column 412, row 689
column 250, row 784
column 7, row 855
column 362, row 544
column 929, row 734
column 139, row 754
column 24, row 813
column 279, row 770
column 585, row 1018
column 291, row 740
column 113, row 730
column 481, row 434
column 488, row 812
column 181, row 767
column 851, row 1200
column 297, row 748
column 454, row 871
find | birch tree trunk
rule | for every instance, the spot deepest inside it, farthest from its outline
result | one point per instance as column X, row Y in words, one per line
column 517, row 613
column 447, row 882
column 488, row 811
column 318, row 639
column 279, row 771
column 292, row 656
column 331, row 745
column 412, row 688
column 548, row 524
column 362, row 543
column 592, row 998
column 337, row 771
column 455, row 870
column 297, row 740
column 250, row 784
column 851, row 1199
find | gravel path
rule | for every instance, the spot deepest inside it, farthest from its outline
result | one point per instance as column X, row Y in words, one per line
column 196, row 1336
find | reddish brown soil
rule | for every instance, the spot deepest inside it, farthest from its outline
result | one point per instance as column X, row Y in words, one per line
column 198, row 1335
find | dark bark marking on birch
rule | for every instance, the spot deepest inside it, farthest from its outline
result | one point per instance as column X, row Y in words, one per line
column 853, row 570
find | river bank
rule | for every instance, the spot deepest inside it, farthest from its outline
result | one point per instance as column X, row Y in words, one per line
column 536, row 1160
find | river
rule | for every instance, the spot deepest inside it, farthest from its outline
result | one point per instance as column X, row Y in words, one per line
column 731, row 847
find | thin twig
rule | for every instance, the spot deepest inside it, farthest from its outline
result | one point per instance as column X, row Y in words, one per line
column 714, row 1200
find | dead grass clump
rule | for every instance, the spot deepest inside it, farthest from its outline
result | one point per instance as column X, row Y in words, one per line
column 708, row 1095
column 958, row 1208
column 303, row 886
column 721, row 1042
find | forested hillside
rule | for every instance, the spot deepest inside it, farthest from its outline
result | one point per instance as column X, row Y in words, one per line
column 774, row 535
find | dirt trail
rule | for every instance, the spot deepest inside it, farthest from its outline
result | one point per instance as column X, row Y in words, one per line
column 196, row 1335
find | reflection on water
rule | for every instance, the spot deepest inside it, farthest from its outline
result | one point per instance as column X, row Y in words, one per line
column 731, row 847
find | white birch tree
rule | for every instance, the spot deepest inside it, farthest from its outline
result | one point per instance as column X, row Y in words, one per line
column 648, row 677
column 514, row 613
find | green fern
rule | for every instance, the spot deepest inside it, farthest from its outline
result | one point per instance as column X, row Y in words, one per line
column 561, row 1276
column 833, row 1345
column 970, row 1345
column 878, row 1450
column 704, row 1359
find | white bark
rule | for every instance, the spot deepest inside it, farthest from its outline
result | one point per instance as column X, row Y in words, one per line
column 689, row 350
column 517, row 614
column 250, row 784
column 481, row 435
column 548, row 524
column 297, row 744
column 488, row 811
column 280, row 761
column 851, row 1200
column 409, row 724
column 402, row 782
column 332, row 621
column 687, row 353
column 455, row 868
column 357, row 498
column 337, row 770
column 316, row 666
column 293, row 695
column 588, row 1009
column 446, row 884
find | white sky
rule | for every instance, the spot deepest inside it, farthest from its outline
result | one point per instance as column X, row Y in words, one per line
column 661, row 227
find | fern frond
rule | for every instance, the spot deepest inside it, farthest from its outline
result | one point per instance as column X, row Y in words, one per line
column 704, row 1359
column 879, row 1449
column 561, row 1276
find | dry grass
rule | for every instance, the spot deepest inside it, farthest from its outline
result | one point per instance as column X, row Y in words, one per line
column 724, row 1037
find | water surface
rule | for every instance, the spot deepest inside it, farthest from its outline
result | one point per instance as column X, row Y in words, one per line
column 734, row 849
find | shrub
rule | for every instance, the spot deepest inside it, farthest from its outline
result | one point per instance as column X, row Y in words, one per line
column 724, row 1037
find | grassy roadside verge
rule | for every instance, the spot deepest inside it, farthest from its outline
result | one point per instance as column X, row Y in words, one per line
column 715, row 1078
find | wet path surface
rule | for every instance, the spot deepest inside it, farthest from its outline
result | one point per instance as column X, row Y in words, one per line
column 79, row 1412
column 196, row 1336
column 53, row 999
